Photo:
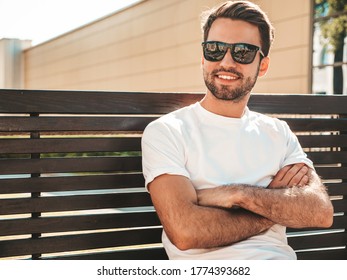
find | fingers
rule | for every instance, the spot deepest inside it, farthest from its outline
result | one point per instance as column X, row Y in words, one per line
column 277, row 181
column 291, row 175
column 295, row 175
column 304, row 181
column 280, row 176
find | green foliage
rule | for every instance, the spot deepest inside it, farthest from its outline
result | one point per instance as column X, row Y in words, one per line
column 333, row 29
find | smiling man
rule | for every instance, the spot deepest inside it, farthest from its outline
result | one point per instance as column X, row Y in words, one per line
column 226, row 181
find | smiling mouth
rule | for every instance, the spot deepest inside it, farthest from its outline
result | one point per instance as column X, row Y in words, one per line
column 227, row 74
column 227, row 77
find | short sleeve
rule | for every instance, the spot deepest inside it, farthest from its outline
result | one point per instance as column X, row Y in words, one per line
column 162, row 152
column 294, row 152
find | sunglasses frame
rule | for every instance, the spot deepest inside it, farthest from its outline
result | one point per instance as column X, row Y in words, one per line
column 232, row 47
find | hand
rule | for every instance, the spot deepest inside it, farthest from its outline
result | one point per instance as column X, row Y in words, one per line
column 290, row 176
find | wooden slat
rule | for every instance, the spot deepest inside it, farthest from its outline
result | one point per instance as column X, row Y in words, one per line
column 340, row 222
column 82, row 102
column 139, row 254
column 49, row 124
column 91, row 104
column 298, row 104
column 75, row 145
column 77, row 223
column 332, row 172
column 71, row 183
column 318, row 241
column 64, row 165
column 326, row 157
column 318, row 141
column 337, row 188
column 318, row 124
column 79, row 242
column 72, row 203
column 336, row 254
column 340, row 205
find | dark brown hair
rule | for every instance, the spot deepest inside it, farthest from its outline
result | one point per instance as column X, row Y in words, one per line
column 241, row 10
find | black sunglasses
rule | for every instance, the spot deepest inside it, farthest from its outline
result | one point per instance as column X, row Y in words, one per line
column 241, row 52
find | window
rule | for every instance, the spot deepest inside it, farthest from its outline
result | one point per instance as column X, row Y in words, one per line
column 329, row 71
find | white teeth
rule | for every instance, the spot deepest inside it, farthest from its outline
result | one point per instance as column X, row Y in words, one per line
column 227, row 77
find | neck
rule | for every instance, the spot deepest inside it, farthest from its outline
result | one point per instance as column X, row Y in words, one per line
column 225, row 108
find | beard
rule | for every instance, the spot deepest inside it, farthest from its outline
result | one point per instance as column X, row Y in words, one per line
column 224, row 92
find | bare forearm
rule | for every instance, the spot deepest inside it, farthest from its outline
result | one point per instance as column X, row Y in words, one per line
column 293, row 207
column 189, row 225
column 295, row 198
column 296, row 207
column 208, row 227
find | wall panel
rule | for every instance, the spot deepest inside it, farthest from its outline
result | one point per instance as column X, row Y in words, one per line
column 152, row 46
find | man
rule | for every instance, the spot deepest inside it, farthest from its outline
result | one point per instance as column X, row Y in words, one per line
column 226, row 181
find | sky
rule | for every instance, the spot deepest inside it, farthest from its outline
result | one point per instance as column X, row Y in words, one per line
column 41, row 20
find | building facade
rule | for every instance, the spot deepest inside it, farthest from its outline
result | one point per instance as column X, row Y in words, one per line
column 155, row 45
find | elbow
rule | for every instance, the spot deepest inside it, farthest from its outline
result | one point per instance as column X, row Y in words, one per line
column 330, row 217
column 183, row 240
column 327, row 216
column 183, row 245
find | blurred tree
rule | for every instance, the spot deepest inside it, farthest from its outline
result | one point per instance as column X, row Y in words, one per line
column 334, row 30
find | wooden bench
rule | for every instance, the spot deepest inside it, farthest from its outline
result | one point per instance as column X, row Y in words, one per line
column 71, row 185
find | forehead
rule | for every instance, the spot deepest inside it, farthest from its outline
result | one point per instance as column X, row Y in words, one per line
column 234, row 31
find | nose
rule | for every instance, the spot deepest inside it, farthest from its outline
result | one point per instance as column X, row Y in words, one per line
column 228, row 60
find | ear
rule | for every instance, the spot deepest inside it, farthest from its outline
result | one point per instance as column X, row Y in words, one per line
column 264, row 66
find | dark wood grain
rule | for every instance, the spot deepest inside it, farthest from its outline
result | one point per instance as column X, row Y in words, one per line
column 80, row 102
column 333, row 254
column 326, row 157
column 78, row 223
column 314, row 125
column 73, row 203
column 71, row 183
column 130, row 254
column 77, row 154
column 318, row 241
column 68, row 165
column 70, row 145
column 88, row 102
column 319, row 141
column 67, row 124
column 79, row 242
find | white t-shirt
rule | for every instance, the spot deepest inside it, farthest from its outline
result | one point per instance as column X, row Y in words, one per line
column 212, row 150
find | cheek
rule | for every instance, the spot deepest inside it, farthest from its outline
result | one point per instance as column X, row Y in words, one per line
column 207, row 66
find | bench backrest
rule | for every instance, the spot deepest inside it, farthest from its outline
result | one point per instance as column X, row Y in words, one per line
column 71, row 185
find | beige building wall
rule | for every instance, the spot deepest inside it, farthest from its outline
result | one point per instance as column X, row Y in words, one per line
column 290, row 68
column 155, row 46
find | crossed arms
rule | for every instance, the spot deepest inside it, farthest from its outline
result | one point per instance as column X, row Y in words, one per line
column 206, row 218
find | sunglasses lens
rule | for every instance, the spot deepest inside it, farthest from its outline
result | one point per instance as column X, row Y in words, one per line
column 244, row 53
column 241, row 53
column 214, row 51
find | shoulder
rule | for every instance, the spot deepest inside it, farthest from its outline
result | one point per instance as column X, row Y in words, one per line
column 174, row 119
column 171, row 123
column 269, row 122
column 266, row 120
